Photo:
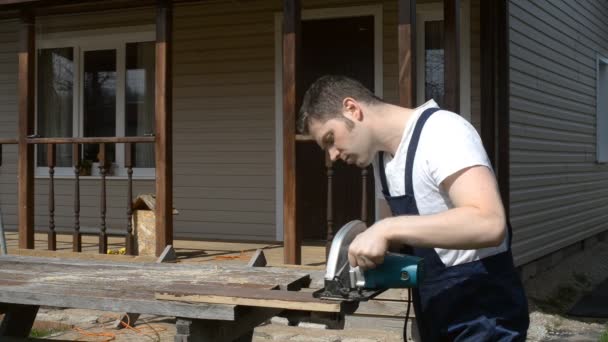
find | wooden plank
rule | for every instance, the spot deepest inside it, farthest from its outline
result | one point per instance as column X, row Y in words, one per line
column 291, row 56
column 95, row 272
column 392, row 307
column 253, row 297
column 407, row 53
column 164, row 126
column 124, row 300
column 383, row 308
column 91, row 140
column 393, row 294
column 25, row 168
column 451, row 29
column 80, row 256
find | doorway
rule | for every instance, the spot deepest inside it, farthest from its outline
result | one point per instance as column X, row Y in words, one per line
column 342, row 46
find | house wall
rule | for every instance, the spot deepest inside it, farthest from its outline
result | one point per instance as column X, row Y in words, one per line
column 558, row 191
column 224, row 123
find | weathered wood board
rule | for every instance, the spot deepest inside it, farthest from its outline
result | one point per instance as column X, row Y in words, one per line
column 252, row 297
column 130, row 287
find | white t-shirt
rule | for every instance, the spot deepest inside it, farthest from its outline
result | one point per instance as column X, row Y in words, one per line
column 448, row 143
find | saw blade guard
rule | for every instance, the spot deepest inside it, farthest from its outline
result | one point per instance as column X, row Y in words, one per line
column 338, row 254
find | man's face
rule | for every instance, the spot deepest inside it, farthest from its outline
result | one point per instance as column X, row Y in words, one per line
column 342, row 140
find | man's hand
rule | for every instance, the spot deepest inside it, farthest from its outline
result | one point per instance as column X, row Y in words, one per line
column 368, row 249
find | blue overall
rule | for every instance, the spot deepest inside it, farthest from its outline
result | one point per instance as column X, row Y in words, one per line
column 480, row 300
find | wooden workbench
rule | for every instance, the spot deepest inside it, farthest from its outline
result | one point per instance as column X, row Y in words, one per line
column 29, row 282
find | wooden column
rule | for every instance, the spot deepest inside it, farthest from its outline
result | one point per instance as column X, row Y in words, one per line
column 330, row 203
column 164, row 126
column 487, row 44
column 502, row 102
column 27, row 68
column 451, row 21
column 495, row 90
column 291, row 55
column 407, row 53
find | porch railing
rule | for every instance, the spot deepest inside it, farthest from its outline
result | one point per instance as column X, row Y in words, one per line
column 330, row 174
column 76, row 143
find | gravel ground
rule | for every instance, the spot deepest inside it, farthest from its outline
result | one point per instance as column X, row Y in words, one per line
column 553, row 292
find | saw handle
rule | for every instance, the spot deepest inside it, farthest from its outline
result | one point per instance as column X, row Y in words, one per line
column 397, row 271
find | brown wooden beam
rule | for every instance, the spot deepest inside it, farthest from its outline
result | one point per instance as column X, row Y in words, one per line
column 407, row 53
column 164, row 126
column 451, row 20
column 25, row 171
column 502, row 98
column 495, row 91
column 91, row 140
column 291, row 55
column 487, row 44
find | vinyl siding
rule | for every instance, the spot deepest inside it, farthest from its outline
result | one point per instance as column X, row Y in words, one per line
column 223, row 108
column 558, row 192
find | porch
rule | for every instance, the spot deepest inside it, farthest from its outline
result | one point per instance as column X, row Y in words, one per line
column 187, row 251
column 271, row 206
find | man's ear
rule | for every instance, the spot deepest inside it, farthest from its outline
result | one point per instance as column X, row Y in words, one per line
column 352, row 109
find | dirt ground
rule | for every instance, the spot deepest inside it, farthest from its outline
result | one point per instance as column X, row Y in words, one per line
column 550, row 293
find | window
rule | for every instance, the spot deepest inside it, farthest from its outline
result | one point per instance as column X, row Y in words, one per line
column 96, row 85
column 430, row 55
column 602, row 110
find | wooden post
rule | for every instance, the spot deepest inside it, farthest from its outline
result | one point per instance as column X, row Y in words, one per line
column 407, row 53
column 129, row 166
column 291, row 55
column 451, row 21
column 76, row 236
column 164, row 126
column 103, row 164
column 330, row 206
column 502, row 102
column 495, row 90
column 25, row 171
column 488, row 76
column 51, row 160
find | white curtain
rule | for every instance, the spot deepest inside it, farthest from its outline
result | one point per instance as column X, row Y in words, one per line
column 55, row 101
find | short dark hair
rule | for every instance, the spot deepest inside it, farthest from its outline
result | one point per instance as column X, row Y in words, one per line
column 323, row 99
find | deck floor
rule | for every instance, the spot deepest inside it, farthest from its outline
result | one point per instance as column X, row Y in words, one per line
column 189, row 251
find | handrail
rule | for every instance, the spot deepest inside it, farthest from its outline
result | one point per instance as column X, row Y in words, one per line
column 92, row 140
column 8, row 141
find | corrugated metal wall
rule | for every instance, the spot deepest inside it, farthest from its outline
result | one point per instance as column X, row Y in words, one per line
column 559, row 195
column 224, row 95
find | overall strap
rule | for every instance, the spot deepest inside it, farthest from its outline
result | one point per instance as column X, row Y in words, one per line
column 411, row 150
column 385, row 191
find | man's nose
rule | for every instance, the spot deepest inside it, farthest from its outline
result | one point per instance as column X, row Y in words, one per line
column 333, row 153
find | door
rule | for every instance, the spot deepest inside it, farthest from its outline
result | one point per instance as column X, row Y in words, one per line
column 332, row 46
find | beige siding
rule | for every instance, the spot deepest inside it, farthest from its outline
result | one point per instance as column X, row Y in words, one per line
column 8, row 119
column 558, row 192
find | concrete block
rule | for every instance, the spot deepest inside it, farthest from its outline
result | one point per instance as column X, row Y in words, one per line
column 279, row 320
column 310, row 325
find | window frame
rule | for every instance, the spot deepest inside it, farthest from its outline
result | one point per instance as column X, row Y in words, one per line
column 90, row 40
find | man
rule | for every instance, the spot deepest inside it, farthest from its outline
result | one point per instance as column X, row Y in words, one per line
column 439, row 184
